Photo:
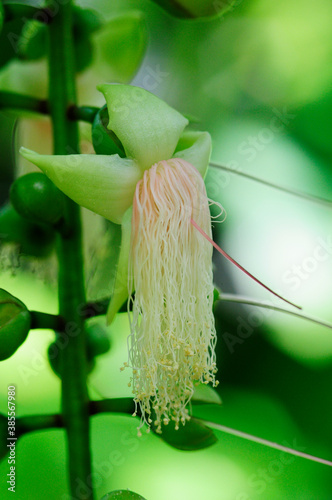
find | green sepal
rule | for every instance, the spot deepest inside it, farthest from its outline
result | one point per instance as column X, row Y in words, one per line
column 15, row 321
column 189, row 437
column 36, row 198
column 147, row 127
column 103, row 184
column 120, row 288
column 195, row 148
column 122, row 495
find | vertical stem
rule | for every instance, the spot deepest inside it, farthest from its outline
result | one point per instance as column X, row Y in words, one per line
column 69, row 247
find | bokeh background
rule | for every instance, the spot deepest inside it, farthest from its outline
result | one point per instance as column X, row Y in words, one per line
column 259, row 80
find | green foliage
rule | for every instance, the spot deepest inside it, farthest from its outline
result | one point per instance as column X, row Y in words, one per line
column 206, row 395
column 191, row 9
column 122, row 495
column 189, row 437
column 37, row 199
column 119, row 47
column 14, row 324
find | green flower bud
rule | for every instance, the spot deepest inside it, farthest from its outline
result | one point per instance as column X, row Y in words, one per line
column 191, row 9
column 36, row 198
column 15, row 323
column 104, row 141
column 33, row 41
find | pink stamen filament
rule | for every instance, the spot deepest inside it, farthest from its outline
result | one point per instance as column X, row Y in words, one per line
column 228, row 257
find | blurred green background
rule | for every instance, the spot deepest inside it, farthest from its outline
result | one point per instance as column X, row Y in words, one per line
column 259, row 80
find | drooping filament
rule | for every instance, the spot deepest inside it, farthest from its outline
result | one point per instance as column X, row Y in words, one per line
column 173, row 337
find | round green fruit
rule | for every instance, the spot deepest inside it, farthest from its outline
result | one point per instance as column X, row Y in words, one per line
column 36, row 198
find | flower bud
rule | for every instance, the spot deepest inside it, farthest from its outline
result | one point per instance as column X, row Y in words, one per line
column 15, row 323
column 36, row 198
column 104, row 141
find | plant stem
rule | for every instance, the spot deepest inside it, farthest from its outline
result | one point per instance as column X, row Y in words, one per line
column 82, row 113
column 11, row 100
column 46, row 321
column 75, row 402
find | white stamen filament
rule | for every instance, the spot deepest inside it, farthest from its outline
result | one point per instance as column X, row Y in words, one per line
column 173, row 337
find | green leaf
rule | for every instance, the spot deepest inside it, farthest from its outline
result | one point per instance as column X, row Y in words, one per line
column 122, row 495
column 189, row 437
column 15, row 324
column 205, row 395
column 192, row 9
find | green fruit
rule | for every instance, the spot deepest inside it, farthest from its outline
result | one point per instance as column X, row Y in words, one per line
column 97, row 340
column 15, row 324
column 36, row 198
column 104, row 141
column 36, row 240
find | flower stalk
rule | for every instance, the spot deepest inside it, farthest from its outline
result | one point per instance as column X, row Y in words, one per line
column 75, row 408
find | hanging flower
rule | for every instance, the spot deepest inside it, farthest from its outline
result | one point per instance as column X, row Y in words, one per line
column 156, row 192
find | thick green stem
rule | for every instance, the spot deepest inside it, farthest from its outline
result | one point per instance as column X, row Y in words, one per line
column 75, row 402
